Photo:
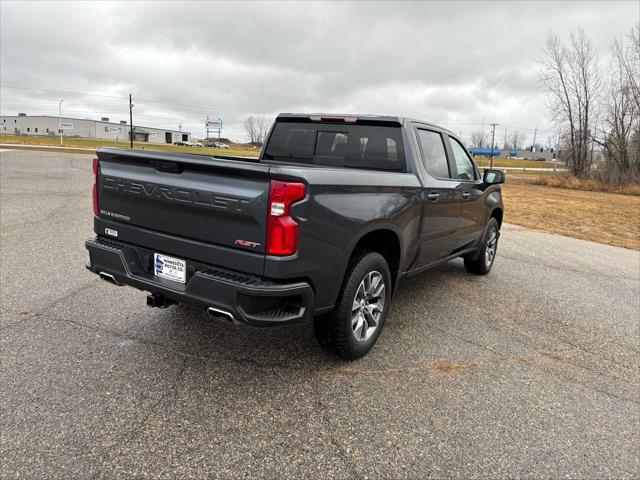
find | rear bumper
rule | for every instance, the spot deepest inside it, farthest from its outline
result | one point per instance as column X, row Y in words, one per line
column 248, row 298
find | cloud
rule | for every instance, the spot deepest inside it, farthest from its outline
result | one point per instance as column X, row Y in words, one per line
column 455, row 63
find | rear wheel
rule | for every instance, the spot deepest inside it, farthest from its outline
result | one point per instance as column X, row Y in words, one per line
column 353, row 327
column 481, row 262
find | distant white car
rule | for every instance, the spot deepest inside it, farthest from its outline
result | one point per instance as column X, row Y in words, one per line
column 189, row 143
column 220, row 145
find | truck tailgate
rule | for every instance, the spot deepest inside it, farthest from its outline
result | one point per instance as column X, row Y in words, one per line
column 206, row 199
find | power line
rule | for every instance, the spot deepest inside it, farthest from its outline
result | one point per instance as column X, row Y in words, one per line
column 57, row 90
column 124, row 98
column 102, row 113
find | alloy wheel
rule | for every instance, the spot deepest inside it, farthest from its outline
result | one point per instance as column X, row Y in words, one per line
column 492, row 245
column 368, row 306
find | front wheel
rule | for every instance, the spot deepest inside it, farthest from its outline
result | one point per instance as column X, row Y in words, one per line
column 481, row 262
column 353, row 327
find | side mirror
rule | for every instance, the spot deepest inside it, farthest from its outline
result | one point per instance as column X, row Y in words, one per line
column 493, row 177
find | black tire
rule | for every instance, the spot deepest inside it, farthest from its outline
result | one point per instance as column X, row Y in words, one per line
column 338, row 330
column 481, row 262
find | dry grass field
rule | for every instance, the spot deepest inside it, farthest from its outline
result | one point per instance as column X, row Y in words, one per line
column 568, row 181
column 602, row 217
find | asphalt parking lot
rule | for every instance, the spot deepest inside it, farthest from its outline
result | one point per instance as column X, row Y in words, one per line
column 531, row 371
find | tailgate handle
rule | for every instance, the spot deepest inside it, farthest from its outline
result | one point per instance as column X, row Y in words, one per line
column 168, row 167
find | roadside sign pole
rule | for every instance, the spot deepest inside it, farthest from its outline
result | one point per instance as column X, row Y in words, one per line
column 60, row 116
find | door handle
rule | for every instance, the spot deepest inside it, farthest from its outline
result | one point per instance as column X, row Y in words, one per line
column 433, row 196
column 466, row 195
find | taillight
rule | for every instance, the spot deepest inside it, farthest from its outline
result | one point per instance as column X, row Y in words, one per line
column 282, row 230
column 96, row 209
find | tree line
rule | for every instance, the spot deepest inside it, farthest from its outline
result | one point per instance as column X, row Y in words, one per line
column 595, row 106
column 513, row 139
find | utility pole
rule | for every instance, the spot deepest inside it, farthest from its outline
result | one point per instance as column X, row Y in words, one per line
column 535, row 134
column 219, row 127
column 505, row 136
column 130, row 121
column 60, row 116
column 493, row 137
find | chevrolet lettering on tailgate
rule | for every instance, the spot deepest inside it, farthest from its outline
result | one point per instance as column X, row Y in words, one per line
column 175, row 194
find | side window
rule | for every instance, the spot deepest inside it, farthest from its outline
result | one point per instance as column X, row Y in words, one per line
column 433, row 153
column 464, row 165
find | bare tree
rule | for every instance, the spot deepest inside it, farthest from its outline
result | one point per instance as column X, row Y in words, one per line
column 516, row 139
column 620, row 138
column 572, row 77
column 263, row 124
column 480, row 138
column 250, row 126
column 627, row 58
column 257, row 128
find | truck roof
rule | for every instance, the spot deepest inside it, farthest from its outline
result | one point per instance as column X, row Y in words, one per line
column 357, row 118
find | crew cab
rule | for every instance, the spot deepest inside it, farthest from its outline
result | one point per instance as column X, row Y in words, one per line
column 323, row 225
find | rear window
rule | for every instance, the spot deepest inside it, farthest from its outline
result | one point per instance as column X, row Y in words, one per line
column 338, row 145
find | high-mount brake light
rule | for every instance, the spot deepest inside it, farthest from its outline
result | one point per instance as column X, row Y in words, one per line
column 282, row 229
column 96, row 167
column 334, row 118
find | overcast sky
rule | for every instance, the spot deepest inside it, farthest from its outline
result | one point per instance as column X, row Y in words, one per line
column 453, row 63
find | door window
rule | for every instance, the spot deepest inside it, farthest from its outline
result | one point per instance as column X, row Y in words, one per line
column 464, row 165
column 433, row 153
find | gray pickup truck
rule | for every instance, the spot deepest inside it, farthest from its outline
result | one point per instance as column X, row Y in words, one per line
column 336, row 211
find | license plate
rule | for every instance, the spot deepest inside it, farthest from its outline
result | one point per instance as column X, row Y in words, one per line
column 170, row 268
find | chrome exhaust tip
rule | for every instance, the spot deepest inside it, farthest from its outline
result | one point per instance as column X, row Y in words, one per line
column 107, row 277
column 216, row 312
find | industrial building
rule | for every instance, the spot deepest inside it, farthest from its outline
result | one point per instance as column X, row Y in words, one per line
column 23, row 124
